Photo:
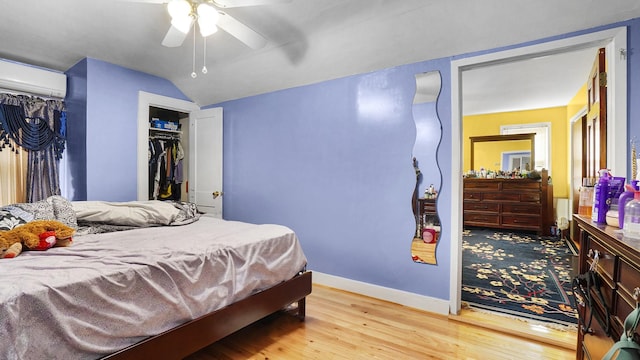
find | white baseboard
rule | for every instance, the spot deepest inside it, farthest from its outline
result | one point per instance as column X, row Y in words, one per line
column 421, row 302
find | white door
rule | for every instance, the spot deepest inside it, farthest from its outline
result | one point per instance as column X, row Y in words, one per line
column 205, row 160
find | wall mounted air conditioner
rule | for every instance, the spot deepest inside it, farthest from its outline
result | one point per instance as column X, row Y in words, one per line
column 28, row 79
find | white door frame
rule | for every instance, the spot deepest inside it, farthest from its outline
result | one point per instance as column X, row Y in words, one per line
column 145, row 100
column 615, row 41
column 578, row 115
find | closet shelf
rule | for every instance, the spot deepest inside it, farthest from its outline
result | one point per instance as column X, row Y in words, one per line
column 165, row 130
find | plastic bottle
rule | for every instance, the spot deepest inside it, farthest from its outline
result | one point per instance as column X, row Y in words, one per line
column 624, row 198
column 631, row 228
column 585, row 204
column 600, row 196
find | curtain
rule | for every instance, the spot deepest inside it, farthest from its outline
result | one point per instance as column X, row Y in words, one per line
column 37, row 126
column 13, row 184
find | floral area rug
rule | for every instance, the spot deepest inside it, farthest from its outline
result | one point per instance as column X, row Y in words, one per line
column 519, row 274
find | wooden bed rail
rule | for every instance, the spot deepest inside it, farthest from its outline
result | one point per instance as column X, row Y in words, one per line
column 190, row 337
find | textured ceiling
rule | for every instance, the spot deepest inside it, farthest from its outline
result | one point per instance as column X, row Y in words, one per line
column 308, row 40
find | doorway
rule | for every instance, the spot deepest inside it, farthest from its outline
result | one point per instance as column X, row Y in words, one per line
column 145, row 102
column 613, row 40
column 168, row 140
column 204, row 184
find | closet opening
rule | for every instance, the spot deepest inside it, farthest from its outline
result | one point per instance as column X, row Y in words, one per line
column 168, row 149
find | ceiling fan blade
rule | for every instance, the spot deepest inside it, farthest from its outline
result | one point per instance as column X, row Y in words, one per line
column 241, row 31
column 241, row 3
column 174, row 37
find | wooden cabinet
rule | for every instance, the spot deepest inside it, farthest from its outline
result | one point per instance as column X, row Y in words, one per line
column 518, row 204
column 619, row 268
column 427, row 206
column 427, row 215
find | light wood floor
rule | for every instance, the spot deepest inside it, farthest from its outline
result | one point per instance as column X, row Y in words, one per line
column 425, row 252
column 342, row 325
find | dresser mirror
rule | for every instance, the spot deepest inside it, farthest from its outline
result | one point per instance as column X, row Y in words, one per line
column 501, row 153
column 425, row 162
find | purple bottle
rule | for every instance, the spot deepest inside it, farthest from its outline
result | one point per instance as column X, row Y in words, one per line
column 600, row 196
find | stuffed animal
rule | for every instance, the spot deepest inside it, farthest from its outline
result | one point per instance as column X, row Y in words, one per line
column 34, row 235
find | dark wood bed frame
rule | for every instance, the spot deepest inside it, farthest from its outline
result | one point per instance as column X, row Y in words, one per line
column 194, row 335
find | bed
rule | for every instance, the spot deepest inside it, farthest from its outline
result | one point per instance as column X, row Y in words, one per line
column 144, row 281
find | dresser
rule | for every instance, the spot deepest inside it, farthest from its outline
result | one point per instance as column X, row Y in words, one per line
column 618, row 265
column 517, row 204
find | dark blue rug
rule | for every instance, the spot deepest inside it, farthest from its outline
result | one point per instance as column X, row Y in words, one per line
column 519, row 274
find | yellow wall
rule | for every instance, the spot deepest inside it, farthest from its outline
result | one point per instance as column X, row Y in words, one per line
column 489, row 124
column 577, row 104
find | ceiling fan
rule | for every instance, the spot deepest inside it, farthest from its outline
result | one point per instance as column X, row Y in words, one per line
column 209, row 16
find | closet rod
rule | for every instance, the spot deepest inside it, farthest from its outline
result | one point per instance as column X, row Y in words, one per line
column 165, row 136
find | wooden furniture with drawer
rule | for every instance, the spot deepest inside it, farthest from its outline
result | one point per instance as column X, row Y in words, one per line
column 427, row 211
column 618, row 265
column 427, row 215
column 518, row 204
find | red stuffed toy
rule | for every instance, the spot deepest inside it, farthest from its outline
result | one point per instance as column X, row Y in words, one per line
column 47, row 241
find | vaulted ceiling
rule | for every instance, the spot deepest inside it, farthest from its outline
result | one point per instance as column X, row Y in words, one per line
column 307, row 40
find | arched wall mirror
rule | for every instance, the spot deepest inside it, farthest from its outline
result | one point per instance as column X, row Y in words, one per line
column 425, row 162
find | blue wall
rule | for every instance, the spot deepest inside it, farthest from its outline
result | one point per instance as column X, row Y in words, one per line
column 109, row 119
column 74, row 184
column 334, row 162
column 633, row 89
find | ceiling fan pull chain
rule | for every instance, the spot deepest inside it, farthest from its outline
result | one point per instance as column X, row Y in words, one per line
column 193, row 65
column 204, row 57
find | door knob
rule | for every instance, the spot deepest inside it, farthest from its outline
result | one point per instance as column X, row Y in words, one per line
column 215, row 194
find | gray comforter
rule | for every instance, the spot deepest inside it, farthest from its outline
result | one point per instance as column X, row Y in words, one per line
column 111, row 290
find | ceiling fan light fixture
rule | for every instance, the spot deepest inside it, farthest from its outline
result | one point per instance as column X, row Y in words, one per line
column 183, row 24
column 179, row 8
column 208, row 12
column 207, row 19
column 207, row 28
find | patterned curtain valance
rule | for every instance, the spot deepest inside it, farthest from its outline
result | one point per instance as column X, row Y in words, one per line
column 32, row 123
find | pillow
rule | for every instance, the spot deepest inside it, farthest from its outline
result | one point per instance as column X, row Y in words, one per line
column 63, row 211
column 8, row 220
column 129, row 213
column 41, row 210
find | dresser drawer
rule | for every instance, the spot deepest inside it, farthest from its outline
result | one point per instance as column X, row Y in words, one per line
column 530, row 209
column 628, row 279
column 530, row 197
column 521, row 185
column 481, row 185
column 607, row 290
column 481, row 206
column 621, row 309
column 606, row 261
column 501, row 196
column 481, row 219
column 472, row 196
column 522, row 221
column 428, row 207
